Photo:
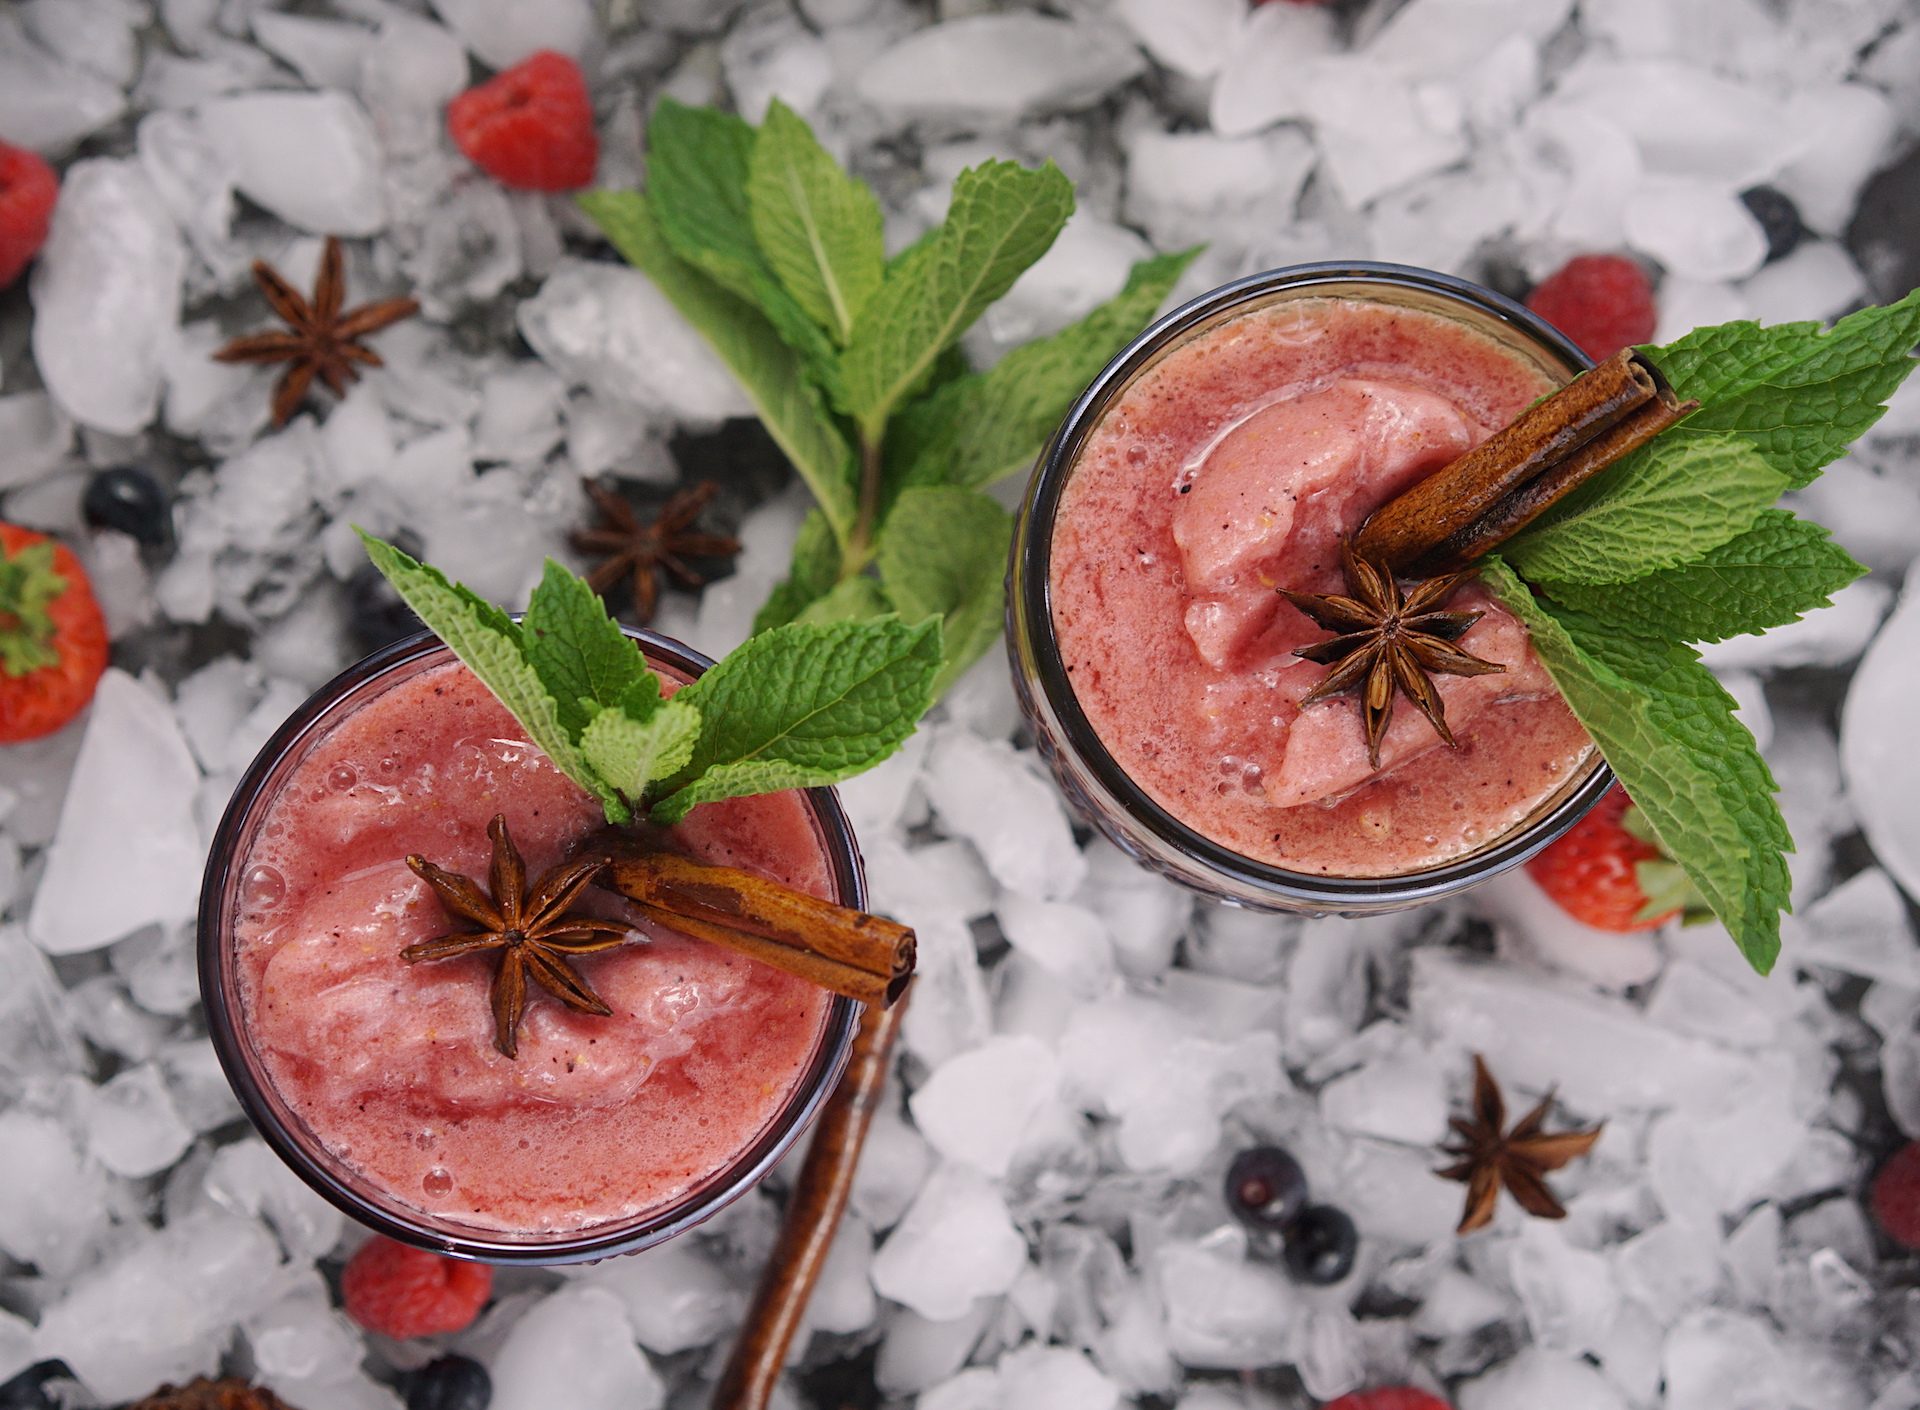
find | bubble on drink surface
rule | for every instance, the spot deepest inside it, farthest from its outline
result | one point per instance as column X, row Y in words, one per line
column 342, row 777
column 264, row 886
column 437, row 1183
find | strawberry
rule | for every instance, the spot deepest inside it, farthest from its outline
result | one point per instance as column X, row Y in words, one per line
column 1610, row 872
column 1388, row 1398
column 1896, row 1196
column 1603, row 302
column 530, row 126
column 53, row 640
column 28, row 189
column 408, row 1292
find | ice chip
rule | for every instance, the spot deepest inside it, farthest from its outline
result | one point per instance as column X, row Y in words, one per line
column 771, row 54
column 301, row 1337
column 1538, row 1377
column 675, row 1295
column 39, row 1034
column 575, row 1349
column 503, row 32
column 1696, row 227
column 1399, row 1097
column 1184, row 187
column 1440, row 38
column 468, row 251
column 1145, row 914
column 34, row 435
column 920, row 1352
column 975, row 1105
column 47, row 104
column 976, row 1388
column 950, row 1011
column 1689, row 122
column 326, row 53
column 1844, row 133
column 1715, row 1359
column 1882, row 771
column 1004, row 66
column 1263, row 77
column 986, row 793
column 1038, row 1377
column 1377, row 128
column 1532, row 923
column 893, row 1165
column 1087, row 264
column 113, row 1022
column 1224, row 1310
column 1069, row 941
column 843, row 1300
column 955, row 1243
column 53, row 1205
column 248, row 1179
column 1568, row 1294
column 312, row 159
column 197, row 1084
column 1194, row 37
column 132, row 1128
column 1861, row 927
column 1818, row 281
column 519, row 414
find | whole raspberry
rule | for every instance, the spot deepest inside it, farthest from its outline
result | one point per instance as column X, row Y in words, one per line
column 529, row 126
column 408, row 1292
column 1388, row 1398
column 1603, row 302
column 28, row 189
column 1896, row 1196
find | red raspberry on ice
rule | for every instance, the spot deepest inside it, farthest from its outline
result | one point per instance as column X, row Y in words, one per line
column 1896, row 1196
column 1388, row 1398
column 28, row 189
column 408, row 1292
column 529, row 126
column 1603, row 302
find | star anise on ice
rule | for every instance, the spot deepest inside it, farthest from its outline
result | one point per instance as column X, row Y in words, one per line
column 1519, row 1159
column 644, row 550
column 531, row 929
column 322, row 341
column 230, row 1393
column 1390, row 640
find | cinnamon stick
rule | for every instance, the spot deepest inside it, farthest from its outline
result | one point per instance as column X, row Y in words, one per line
column 808, row 964
column 814, row 1208
column 1496, row 489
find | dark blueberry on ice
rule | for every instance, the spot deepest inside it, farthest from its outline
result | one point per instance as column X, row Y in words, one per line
column 1778, row 216
column 130, row 500
column 1266, row 1188
column 45, row 1385
column 1885, row 233
column 1321, row 1244
column 451, row 1383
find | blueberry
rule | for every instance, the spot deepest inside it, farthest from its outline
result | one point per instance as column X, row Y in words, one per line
column 130, row 500
column 1321, row 1244
column 45, row 1385
column 1778, row 216
column 451, row 1383
column 1266, row 1188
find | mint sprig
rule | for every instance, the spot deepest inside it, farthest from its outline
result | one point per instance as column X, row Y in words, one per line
column 798, row 707
column 1680, row 544
column 775, row 254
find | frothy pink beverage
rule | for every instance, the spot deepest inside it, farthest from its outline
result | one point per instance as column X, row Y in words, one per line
column 1234, row 468
column 392, row 1067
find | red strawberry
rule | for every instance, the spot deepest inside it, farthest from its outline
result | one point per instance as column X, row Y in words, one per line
column 1609, row 871
column 1896, row 1196
column 529, row 126
column 53, row 640
column 28, row 189
column 407, row 1292
column 1388, row 1398
column 1603, row 302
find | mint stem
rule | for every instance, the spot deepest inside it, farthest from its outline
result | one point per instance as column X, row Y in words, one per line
column 860, row 541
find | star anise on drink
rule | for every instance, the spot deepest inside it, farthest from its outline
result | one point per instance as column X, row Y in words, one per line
column 532, row 930
column 321, row 341
column 230, row 1393
column 1520, row 1159
column 1390, row 642
column 646, row 550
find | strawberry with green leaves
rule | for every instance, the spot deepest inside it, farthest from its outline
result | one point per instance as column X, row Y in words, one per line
column 1610, row 871
column 53, row 640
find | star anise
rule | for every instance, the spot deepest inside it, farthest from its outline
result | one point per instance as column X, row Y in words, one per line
column 629, row 546
column 1519, row 1159
column 322, row 342
column 230, row 1393
column 1389, row 641
column 532, row 931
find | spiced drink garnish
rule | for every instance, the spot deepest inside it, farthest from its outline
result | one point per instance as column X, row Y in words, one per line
column 646, row 550
column 229, row 1393
column 1519, row 1159
column 531, row 929
column 1391, row 642
column 321, row 341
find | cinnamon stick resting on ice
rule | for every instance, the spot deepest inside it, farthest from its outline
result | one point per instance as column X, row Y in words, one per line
column 1493, row 491
column 847, row 951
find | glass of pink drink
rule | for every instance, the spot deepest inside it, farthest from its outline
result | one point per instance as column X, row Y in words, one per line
column 378, row 1081
column 1224, row 455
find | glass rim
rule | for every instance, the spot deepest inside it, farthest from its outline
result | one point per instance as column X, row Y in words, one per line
column 1032, row 639
column 231, row 1045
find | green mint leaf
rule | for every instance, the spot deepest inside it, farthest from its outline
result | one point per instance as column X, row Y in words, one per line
column 29, row 585
column 1664, row 505
column 1800, row 395
column 853, row 599
column 790, row 406
column 487, row 640
column 818, row 227
column 1668, row 730
column 1003, row 218
column 578, row 651
column 1766, row 577
column 981, row 428
column 814, row 571
column 632, row 750
column 944, row 554
column 804, row 705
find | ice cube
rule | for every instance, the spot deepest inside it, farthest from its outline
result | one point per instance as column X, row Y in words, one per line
column 197, row 1084
column 1186, row 187
column 1827, row 636
column 843, row 1300
column 920, row 1352
column 164, row 1309
column 1377, row 128
column 1694, row 226
column 1144, row 913
column 1693, row 999
column 1069, row 941
column 607, row 327
column 1457, row 1303
column 1326, row 987
column 1861, row 927
column 1440, row 220
column 1715, row 1359
column 503, row 32
column 1708, row 1163
column 875, row 800
column 1000, row 65
column 326, row 53
column 34, row 436
column 988, row 794
column 1688, row 121
column 1687, row 304
column 1568, row 1294
column 982, row 699
column 1193, row 37
column 976, row 1388
column 53, row 1204
column 406, row 78
column 132, row 1128
column 1872, row 510
column 519, row 414
column 771, row 54
column 17, row 1341
column 97, row 35
column 1671, row 1267
column 1844, row 133
column 1039, row 1377
column 975, row 1105
column 248, row 1179
column 1399, row 1097
column 1440, row 38
column 1222, row 1309
column 38, row 1035
column 1087, row 265
column 312, row 159
column 950, row 1011
column 1817, row 281
column 301, row 1337
column 1263, row 78
column 576, row 1349
column 1537, row 1377
column 106, row 295
column 1532, row 924
column 47, row 104
column 469, row 250
column 675, row 1295
column 955, row 1243
column 109, row 1017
